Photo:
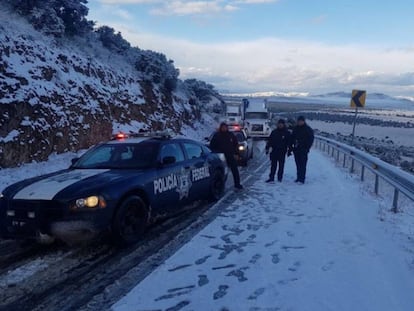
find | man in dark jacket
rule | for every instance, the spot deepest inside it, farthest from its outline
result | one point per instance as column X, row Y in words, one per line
column 279, row 141
column 302, row 140
column 226, row 142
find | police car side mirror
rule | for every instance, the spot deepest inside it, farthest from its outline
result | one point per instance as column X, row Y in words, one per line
column 74, row 160
column 168, row 160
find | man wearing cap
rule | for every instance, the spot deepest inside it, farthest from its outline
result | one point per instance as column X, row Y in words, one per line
column 279, row 142
column 226, row 142
column 302, row 140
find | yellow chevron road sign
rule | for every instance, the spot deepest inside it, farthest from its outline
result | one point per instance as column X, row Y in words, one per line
column 358, row 99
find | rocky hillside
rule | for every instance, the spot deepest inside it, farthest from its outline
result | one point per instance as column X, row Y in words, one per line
column 61, row 94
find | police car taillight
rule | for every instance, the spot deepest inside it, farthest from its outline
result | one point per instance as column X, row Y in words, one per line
column 120, row 136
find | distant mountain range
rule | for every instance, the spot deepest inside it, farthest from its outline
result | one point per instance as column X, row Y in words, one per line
column 374, row 100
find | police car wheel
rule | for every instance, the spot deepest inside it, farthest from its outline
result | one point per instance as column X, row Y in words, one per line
column 131, row 220
column 217, row 186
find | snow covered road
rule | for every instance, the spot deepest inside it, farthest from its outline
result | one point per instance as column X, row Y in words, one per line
column 319, row 246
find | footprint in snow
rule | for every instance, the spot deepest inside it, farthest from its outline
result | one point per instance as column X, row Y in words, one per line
column 203, row 280
column 257, row 293
column 172, row 295
column 202, row 260
column 239, row 274
column 328, row 266
column 275, row 258
column 251, row 238
column 271, row 243
column 224, row 267
column 287, row 281
column 208, row 236
column 235, row 230
column 222, row 291
column 179, row 268
column 288, row 248
column 290, row 234
column 255, row 259
column 295, row 267
column 179, row 306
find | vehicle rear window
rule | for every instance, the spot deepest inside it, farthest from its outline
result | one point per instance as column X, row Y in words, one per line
column 122, row 156
column 193, row 151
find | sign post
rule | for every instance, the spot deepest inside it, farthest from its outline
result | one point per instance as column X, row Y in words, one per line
column 357, row 101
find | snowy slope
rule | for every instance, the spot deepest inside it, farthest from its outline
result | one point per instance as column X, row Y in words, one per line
column 282, row 246
column 59, row 95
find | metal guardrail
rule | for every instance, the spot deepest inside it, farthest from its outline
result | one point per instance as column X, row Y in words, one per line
column 401, row 181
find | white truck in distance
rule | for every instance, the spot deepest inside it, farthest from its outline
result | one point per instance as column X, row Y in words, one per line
column 257, row 120
column 233, row 114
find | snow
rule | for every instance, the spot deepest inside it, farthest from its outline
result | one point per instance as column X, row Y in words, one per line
column 23, row 272
column 10, row 137
column 319, row 246
column 400, row 136
column 200, row 130
column 133, row 127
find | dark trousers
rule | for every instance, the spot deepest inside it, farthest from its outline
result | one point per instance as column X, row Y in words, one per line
column 277, row 161
column 232, row 164
column 301, row 159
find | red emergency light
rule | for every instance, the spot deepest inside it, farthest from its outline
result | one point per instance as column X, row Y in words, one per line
column 120, row 136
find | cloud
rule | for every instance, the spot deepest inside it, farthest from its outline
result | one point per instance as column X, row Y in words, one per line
column 130, row 1
column 272, row 64
column 319, row 19
column 193, row 8
column 255, row 1
column 189, row 7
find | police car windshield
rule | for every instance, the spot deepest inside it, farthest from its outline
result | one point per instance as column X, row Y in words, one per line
column 119, row 156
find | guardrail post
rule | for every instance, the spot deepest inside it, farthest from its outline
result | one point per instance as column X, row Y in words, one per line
column 362, row 173
column 344, row 160
column 353, row 165
column 376, row 184
column 337, row 156
column 395, row 201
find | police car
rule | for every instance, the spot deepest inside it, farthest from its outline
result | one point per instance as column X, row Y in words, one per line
column 121, row 185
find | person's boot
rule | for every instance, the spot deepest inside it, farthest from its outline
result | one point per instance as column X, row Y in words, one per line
column 270, row 180
column 240, row 187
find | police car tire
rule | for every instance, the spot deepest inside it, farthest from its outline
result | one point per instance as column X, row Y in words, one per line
column 217, row 186
column 131, row 220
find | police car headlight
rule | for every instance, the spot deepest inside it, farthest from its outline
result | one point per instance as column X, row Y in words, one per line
column 1, row 195
column 91, row 202
column 241, row 148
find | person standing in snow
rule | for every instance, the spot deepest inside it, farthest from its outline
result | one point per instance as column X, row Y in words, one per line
column 226, row 142
column 279, row 141
column 302, row 141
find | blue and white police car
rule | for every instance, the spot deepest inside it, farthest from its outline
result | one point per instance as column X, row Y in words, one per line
column 121, row 185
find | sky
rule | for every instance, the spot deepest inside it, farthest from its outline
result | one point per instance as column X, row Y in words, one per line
column 289, row 46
